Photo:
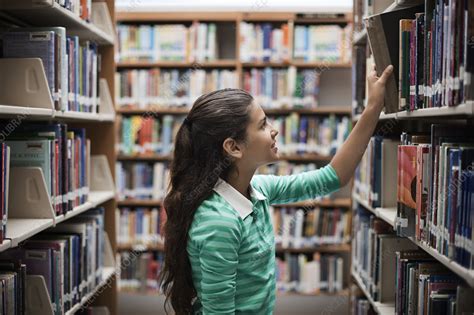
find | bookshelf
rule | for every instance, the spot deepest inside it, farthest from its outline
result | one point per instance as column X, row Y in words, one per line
column 426, row 116
column 332, row 101
column 25, row 99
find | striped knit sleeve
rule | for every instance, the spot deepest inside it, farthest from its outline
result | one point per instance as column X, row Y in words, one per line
column 218, row 238
column 298, row 187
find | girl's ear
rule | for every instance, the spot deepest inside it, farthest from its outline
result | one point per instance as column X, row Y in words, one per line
column 232, row 148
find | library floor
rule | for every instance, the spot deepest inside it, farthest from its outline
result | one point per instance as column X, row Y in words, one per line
column 295, row 305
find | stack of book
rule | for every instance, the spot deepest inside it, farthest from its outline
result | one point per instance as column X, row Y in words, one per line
column 435, row 180
column 431, row 49
column 139, row 272
column 436, row 56
column 373, row 255
column 72, row 67
column 283, row 88
column 310, row 134
column 4, row 187
column 310, row 275
column 141, row 180
column 69, row 257
column 140, row 225
column 166, row 88
column 424, row 286
column 62, row 153
column 308, row 227
column 168, row 42
column 147, row 134
column 361, row 306
column 264, row 42
column 322, row 43
column 376, row 171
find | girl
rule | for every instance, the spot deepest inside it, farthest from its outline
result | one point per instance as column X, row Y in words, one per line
column 219, row 242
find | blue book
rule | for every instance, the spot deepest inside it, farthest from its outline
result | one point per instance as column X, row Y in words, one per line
column 453, row 189
column 35, row 45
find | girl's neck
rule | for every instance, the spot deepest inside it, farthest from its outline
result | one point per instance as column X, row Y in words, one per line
column 240, row 180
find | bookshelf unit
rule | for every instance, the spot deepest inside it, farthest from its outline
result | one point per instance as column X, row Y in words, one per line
column 25, row 97
column 416, row 122
column 334, row 99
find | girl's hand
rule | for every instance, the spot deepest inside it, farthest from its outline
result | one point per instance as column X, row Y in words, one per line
column 376, row 87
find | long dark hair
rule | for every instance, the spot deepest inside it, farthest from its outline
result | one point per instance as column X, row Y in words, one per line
column 199, row 160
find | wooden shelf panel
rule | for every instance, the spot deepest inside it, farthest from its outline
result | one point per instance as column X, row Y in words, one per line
column 339, row 202
column 19, row 230
column 30, row 113
column 178, row 64
column 53, row 13
column 321, row 110
column 380, row 308
column 95, row 199
column 386, row 214
column 464, row 273
column 462, row 110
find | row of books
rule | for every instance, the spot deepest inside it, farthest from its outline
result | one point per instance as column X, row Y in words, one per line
column 69, row 257
column 323, row 43
column 140, row 225
column 141, row 180
column 72, row 67
column 435, row 184
column 307, row 227
column 376, row 171
column 4, row 187
column 373, row 254
column 283, row 88
column 168, row 42
column 145, row 135
column 258, row 42
column 264, row 42
column 297, row 133
column 431, row 49
column 159, row 87
column 361, row 306
column 424, row 286
column 62, row 153
column 310, row 134
column 139, row 272
column 310, row 274
column 436, row 56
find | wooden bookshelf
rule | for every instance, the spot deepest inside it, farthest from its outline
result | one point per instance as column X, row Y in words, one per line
column 417, row 122
column 100, row 129
column 329, row 103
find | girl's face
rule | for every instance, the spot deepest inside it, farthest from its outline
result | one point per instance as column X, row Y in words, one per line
column 260, row 148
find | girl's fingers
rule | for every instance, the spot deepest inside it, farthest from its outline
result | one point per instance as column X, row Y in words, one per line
column 386, row 73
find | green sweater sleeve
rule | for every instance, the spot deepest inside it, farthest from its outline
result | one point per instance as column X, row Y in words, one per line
column 217, row 238
column 298, row 187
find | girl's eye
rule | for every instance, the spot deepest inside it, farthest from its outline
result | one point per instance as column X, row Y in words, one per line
column 264, row 124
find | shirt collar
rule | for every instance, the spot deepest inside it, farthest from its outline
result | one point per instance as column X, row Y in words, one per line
column 238, row 201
